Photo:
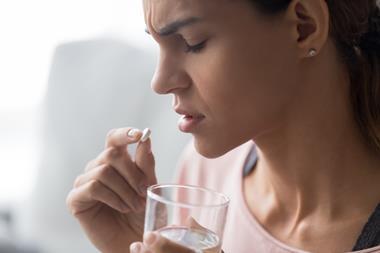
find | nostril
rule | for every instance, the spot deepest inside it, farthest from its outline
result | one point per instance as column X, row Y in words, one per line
column 169, row 77
column 161, row 87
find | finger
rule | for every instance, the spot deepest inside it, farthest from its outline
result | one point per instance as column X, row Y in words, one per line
column 135, row 247
column 122, row 137
column 111, row 178
column 192, row 223
column 110, row 155
column 104, row 157
column 145, row 161
column 122, row 162
column 160, row 244
column 90, row 165
column 88, row 195
column 138, row 247
column 135, row 177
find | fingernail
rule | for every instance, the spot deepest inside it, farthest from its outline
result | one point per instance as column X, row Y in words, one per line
column 133, row 133
column 150, row 238
column 135, row 247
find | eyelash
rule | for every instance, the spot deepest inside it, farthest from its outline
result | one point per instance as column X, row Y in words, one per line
column 195, row 48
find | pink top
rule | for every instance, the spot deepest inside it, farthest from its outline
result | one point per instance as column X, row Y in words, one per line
column 243, row 233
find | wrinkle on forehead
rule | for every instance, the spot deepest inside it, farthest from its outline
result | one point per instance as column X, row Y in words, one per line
column 159, row 13
column 218, row 13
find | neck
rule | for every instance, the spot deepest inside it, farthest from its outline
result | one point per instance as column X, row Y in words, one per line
column 318, row 163
column 319, row 173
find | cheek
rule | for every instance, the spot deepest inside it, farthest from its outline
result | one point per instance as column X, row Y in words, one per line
column 246, row 92
column 247, row 88
column 248, row 82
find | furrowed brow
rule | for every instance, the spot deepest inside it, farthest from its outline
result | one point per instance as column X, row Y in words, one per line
column 176, row 25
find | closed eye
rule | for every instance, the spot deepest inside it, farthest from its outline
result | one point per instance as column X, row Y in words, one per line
column 195, row 48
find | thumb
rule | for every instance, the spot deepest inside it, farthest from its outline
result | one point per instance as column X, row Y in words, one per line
column 122, row 136
column 192, row 223
column 145, row 160
column 160, row 244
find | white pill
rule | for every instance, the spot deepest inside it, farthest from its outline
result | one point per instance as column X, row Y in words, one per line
column 145, row 135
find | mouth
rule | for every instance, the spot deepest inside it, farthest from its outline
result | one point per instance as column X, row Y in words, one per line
column 189, row 124
column 188, row 116
column 189, row 120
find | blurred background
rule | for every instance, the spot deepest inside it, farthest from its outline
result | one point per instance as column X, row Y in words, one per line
column 70, row 71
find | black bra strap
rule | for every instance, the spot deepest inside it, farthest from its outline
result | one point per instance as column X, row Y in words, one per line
column 370, row 236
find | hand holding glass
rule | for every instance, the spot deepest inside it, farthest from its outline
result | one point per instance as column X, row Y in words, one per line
column 188, row 215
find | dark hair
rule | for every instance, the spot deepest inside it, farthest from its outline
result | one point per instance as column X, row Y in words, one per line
column 355, row 28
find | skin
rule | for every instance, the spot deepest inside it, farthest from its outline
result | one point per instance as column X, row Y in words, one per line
column 255, row 80
column 107, row 200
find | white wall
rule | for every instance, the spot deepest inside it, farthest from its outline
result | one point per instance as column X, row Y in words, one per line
column 30, row 31
column 37, row 163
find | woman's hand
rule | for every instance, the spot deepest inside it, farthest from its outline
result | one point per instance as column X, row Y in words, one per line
column 109, row 199
column 155, row 243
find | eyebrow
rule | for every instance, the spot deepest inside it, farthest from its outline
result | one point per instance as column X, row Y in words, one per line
column 175, row 26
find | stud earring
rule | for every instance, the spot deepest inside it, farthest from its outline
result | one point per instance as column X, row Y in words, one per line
column 312, row 52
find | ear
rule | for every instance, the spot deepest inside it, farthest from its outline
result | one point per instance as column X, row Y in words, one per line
column 310, row 19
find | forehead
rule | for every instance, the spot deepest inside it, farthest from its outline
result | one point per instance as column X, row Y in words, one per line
column 158, row 13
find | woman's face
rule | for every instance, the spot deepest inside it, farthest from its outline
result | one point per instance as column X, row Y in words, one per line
column 226, row 64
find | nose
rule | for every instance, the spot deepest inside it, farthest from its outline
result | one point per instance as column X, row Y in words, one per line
column 169, row 75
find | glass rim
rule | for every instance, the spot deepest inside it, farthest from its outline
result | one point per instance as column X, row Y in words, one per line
column 155, row 196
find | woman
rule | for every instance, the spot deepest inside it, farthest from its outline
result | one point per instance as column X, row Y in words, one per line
column 287, row 91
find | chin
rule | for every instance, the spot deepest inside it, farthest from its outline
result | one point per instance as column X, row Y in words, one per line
column 214, row 149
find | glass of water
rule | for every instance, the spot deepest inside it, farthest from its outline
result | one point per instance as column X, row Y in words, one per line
column 191, row 216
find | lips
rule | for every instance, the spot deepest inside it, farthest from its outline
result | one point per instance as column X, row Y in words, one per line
column 188, row 113
column 190, row 119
